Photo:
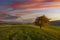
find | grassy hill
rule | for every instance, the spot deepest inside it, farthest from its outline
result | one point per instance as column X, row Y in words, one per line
column 29, row 32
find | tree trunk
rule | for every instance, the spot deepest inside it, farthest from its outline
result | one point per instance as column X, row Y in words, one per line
column 40, row 26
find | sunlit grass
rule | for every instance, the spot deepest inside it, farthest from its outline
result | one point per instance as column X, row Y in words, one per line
column 29, row 32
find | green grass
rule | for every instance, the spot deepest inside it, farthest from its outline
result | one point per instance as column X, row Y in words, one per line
column 29, row 32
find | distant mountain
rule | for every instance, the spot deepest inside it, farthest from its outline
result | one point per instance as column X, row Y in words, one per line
column 55, row 23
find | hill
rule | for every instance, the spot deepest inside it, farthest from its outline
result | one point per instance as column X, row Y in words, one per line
column 55, row 23
column 29, row 32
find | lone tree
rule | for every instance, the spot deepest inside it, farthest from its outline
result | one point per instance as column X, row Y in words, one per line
column 42, row 21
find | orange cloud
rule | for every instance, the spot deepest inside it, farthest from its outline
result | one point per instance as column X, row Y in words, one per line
column 56, row 0
column 26, row 4
column 44, row 6
column 31, row 5
column 36, row 4
column 21, row 13
column 4, row 11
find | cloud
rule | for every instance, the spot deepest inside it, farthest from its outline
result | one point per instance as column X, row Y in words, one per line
column 24, row 5
column 19, row 13
column 15, row 7
column 44, row 6
column 36, row 4
column 32, row 4
column 10, row 18
column 7, row 17
column 4, row 11
column 56, row 0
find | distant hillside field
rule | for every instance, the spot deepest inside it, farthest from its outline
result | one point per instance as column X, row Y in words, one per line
column 29, row 32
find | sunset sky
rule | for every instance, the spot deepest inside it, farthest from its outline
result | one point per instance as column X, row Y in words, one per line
column 28, row 10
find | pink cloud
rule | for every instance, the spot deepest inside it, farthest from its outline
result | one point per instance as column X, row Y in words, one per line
column 44, row 6
column 21, row 13
column 36, row 4
column 4, row 11
column 30, row 3
column 56, row 0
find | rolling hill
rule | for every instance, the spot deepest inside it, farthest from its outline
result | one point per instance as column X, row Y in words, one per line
column 29, row 32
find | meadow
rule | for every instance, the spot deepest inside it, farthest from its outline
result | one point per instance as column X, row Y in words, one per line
column 29, row 32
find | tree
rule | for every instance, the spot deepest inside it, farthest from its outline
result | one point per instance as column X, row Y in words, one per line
column 42, row 21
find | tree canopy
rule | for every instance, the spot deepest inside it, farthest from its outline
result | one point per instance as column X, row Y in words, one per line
column 42, row 21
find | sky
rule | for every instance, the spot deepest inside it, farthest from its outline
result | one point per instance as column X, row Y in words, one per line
column 28, row 10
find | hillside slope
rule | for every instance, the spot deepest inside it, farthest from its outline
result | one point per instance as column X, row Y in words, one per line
column 55, row 23
column 29, row 32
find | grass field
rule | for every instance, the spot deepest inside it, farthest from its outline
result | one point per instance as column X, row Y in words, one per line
column 29, row 32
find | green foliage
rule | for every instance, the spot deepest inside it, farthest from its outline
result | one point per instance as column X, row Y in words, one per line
column 42, row 21
column 29, row 32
